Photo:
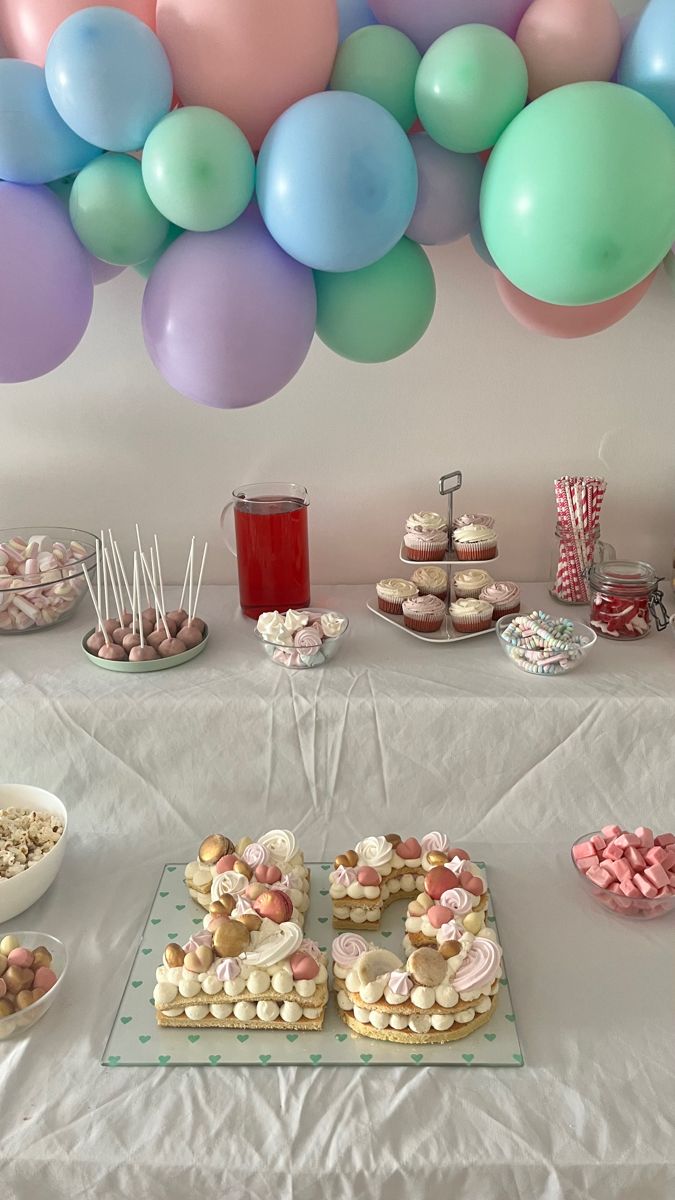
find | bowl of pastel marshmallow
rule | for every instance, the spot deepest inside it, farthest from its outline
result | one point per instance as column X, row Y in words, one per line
column 301, row 639
column 41, row 576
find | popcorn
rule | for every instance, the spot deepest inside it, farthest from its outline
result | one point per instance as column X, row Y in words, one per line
column 25, row 838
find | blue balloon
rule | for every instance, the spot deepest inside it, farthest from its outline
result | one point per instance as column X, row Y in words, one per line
column 647, row 63
column 479, row 244
column 337, row 181
column 109, row 77
column 354, row 14
column 36, row 146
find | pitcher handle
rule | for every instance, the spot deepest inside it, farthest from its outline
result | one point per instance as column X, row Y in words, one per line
column 223, row 517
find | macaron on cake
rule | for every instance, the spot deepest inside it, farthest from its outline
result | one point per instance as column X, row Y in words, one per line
column 447, row 984
column 250, row 966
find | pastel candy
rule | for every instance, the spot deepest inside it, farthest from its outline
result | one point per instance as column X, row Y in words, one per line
column 584, row 850
column 628, row 887
column 621, row 869
column 455, row 853
column 226, row 863
column 613, row 851
column 646, row 887
column 627, row 839
column 645, row 836
column 655, row 855
column 439, row 915
column 635, row 859
column 20, row 957
column 611, row 831
column 584, row 864
column 656, row 875
column 669, row 861
column 471, row 883
column 665, row 839
column 44, row 978
column 303, row 966
column 598, row 841
column 409, row 849
column 368, row 876
column 600, row 876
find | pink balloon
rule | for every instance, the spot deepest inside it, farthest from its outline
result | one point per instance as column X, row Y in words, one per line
column 46, row 289
column 250, row 59
column 563, row 322
column 27, row 25
column 568, row 41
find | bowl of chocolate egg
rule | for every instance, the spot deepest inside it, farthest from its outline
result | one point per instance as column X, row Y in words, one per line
column 32, row 969
column 172, row 640
column 33, row 828
column 41, row 576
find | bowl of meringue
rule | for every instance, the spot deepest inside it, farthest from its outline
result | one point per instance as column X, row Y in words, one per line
column 309, row 637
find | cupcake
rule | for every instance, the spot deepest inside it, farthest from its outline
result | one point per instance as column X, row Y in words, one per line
column 469, row 584
column 504, row 598
column 474, row 543
column 424, row 614
column 473, row 519
column 392, row 592
column 433, row 581
column 471, row 616
column 426, row 537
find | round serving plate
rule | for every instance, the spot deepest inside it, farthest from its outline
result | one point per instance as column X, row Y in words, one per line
column 139, row 668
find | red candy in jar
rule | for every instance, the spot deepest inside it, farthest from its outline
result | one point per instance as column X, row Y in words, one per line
column 624, row 597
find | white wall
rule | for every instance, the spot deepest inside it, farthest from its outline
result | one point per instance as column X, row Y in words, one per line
column 104, row 441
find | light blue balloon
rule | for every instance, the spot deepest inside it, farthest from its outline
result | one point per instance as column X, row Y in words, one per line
column 647, row 61
column 36, row 146
column 337, row 181
column 354, row 14
column 479, row 244
column 109, row 77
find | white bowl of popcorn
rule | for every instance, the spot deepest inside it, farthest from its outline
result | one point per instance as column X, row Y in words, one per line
column 300, row 639
column 33, row 826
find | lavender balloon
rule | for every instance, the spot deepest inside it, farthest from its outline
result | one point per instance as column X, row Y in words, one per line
column 46, row 288
column 426, row 20
column 228, row 317
column 448, row 195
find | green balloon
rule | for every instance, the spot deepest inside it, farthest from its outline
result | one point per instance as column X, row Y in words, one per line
column 379, row 312
column 578, row 196
column 112, row 213
column 471, row 83
column 198, row 169
column 146, row 268
column 381, row 63
column 669, row 267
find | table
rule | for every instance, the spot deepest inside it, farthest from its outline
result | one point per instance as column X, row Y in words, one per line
column 394, row 734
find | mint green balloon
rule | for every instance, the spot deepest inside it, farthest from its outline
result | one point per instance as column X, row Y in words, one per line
column 578, row 196
column 471, row 83
column 112, row 214
column 669, row 268
column 379, row 312
column 146, row 268
column 381, row 63
column 198, row 169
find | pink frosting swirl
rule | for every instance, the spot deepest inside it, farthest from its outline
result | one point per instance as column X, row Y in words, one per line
column 227, row 969
column 308, row 640
column 344, row 876
column 203, row 938
column 474, row 519
column 400, row 983
column 480, row 967
column 458, row 900
column 256, row 855
column 347, row 948
column 450, row 932
column 501, row 593
column 434, row 841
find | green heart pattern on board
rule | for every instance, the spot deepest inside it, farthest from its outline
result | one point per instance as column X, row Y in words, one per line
column 242, row 1037
column 171, row 936
column 366, row 1058
column 180, row 907
column 163, row 1059
column 325, row 866
column 214, row 1059
column 468, row 1058
column 417, row 1058
column 147, row 950
column 170, row 869
column 518, row 1058
column 113, row 1060
column 341, row 1037
column 322, row 920
column 292, row 1037
column 196, row 920
column 154, row 920
column 324, row 892
column 315, row 1058
column 126, row 1020
column 489, row 1037
column 264, row 1058
column 193, row 1037
column 386, row 933
column 510, row 1017
column 136, row 983
column 163, row 895
column 143, row 1038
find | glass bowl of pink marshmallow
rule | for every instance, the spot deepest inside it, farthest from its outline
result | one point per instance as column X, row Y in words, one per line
column 41, row 576
column 301, row 639
column 629, row 872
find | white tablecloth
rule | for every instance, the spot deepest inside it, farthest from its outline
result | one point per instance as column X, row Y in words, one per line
column 394, row 734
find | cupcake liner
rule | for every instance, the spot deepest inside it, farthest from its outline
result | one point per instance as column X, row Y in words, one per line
column 394, row 607
column 464, row 593
column 507, row 610
column 472, row 623
column 442, row 593
column 426, row 553
column 475, row 551
column 423, row 624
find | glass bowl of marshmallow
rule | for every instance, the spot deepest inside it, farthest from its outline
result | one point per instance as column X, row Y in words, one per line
column 41, row 576
column 298, row 640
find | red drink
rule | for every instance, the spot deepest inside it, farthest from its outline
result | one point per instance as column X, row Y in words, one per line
column 272, row 551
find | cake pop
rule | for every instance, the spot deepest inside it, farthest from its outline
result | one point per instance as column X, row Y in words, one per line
column 170, row 647
column 109, row 649
column 140, row 653
column 170, row 625
column 130, row 640
column 193, row 623
column 190, row 637
column 95, row 641
column 156, row 638
column 112, row 651
column 179, row 614
column 118, row 634
column 150, row 615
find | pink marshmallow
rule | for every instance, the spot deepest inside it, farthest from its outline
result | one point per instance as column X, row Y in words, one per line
column 601, row 877
column 620, row 868
column 627, row 839
column 656, row 875
column 656, row 855
column 598, row 841
column 635, row 859
column 646, row 836
column 645, row 886
column 628, row 888
column 665, row 839
column 583, row 850
column 585, row 864
column 614, row 887
column 613, row 850
column 611, row 831
column 669, row 861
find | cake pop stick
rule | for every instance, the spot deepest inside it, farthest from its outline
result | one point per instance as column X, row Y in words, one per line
column 137, row 599
column 188, row 571
column 179, row 615
column 96, row 607
column 109, row 622
column 120, row 632
column 108, row 649
column 159, row 574
column 193, row 607
column 156, row 597
column 98, row 584
column 118, row 559
column 132, row 640
column 143, row 565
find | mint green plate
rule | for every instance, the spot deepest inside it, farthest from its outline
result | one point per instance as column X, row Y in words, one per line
column 138, row 668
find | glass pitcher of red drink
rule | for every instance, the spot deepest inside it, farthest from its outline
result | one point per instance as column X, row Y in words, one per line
column 272, row 546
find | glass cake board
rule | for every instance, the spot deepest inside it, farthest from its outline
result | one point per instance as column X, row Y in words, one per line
column 136, row 1040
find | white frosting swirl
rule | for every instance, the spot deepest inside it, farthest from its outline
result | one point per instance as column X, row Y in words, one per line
column 374, row 851
column 295, row 620
column 271, row 628
column 475, row 533
column 280, row 844
column 332, row 624
column 434, row 841
column 255, row 855
column 272, row 943
column 228, row 883
column 396, row 589
column 426, row 520
column 470, row 605
column 458, row 900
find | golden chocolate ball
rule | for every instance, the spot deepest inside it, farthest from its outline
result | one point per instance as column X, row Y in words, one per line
column 250, row 920
column 473, row 922
column 18, row 978
column 224, row 907
column 254, row 890
column 38, row 993
column 212, row 848
column 6, row 1007
column 393, row 838
column 242, row 868
column 242, row 844
column 41, row 957
column 449, row 949
column 24, row 999
column 427, row 967
column 198, row 960
column 436, row 858
column 230, row 939
column 3, row 963
column 174, row 955
column 349, row 859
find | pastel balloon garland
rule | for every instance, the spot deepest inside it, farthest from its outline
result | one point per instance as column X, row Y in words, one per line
column 275, row 171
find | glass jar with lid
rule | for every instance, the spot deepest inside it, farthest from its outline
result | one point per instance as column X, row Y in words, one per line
column 624, row 598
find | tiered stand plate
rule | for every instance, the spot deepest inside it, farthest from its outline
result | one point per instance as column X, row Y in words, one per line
column 137, row 1041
